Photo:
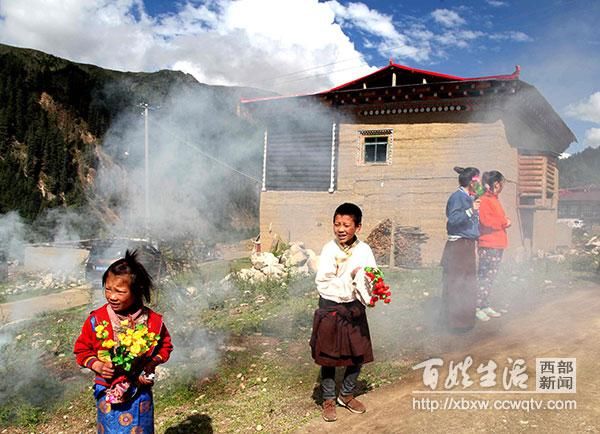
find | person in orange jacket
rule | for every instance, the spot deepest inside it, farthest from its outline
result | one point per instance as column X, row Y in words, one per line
column 492, row 241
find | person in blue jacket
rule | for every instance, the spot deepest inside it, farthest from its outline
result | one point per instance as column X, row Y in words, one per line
column 459, row 258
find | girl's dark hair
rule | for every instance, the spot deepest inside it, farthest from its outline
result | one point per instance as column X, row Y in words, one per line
column 351, row 210
column 465, row 176
column 141, row 282
column 488, row 179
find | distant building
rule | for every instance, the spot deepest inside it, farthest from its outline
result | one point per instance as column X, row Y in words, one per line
column 580, row 203
column 388, row 142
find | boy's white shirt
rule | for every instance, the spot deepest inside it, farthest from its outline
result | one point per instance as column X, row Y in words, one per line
column 334, row 275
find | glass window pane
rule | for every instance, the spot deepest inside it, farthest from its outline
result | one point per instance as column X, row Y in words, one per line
column 369, row 153
column 381, row 153
column 376, row 149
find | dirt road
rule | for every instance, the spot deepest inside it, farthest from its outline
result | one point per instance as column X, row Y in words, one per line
column 28, row 308
column 566, row 327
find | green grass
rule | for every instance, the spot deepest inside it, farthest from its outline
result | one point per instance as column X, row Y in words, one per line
column 33, row 362
column 265, row 375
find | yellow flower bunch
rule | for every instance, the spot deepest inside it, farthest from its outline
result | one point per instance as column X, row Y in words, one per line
column 101, row 332
column 132, row 342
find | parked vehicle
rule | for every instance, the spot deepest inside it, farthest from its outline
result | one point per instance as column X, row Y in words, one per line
column 105, row 252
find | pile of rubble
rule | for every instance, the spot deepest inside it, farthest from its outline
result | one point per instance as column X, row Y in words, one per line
column 593, row 245
column 296, row 260
column 593, row 248
column 30, row 282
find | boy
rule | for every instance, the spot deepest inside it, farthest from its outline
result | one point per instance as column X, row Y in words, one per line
column 340, row 334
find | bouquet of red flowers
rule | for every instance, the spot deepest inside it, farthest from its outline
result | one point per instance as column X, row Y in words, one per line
column 380, row 291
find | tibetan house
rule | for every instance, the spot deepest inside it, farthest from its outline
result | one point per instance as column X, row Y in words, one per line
column 389, row 141
column 580, row 203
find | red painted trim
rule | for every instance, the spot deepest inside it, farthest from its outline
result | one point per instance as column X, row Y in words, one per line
column 398, row 66
column 513, row 76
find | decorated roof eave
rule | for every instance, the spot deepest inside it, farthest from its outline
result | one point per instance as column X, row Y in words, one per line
column 439, row 77
column 334, row 94
column 446, row 78
column 541, row 117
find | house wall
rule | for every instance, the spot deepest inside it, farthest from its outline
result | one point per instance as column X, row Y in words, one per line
column 412, row 190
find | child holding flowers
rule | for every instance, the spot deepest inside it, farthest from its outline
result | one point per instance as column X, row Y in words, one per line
column 340, row 335
column 123, row 342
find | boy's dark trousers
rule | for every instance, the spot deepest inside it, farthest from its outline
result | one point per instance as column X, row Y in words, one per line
column 328, row 381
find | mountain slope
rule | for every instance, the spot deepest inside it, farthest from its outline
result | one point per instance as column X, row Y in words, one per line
column 57, row 117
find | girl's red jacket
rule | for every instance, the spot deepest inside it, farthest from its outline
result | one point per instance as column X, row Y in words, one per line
column 492, row 223
column 87, row 344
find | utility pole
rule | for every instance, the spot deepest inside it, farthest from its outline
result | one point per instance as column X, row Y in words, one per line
column 145, row 106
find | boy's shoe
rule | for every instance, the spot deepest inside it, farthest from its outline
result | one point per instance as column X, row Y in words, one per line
column 491, row 312
column 351, row 403
column 481, row 315
column 329, row 410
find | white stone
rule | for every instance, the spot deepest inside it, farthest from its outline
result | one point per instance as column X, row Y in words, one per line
column 262, row 260
column 47, row 280
column 275, row 270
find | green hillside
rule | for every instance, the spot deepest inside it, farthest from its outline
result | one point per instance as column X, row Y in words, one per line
column 55, row 116
column 582, row 168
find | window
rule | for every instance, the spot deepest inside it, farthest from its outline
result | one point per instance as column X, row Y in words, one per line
column 375, row 146
column 376, row 149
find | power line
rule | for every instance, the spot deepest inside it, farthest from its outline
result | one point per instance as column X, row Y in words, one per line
column 310, row 69
column 196, row 148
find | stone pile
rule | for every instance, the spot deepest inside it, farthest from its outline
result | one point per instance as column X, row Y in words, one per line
column 296, row 260
column 43, row 281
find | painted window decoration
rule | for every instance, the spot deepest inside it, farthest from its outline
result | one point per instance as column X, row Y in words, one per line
column 375, row 146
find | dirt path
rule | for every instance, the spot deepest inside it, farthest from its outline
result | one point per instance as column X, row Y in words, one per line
column 28, row 308
column 567, row 326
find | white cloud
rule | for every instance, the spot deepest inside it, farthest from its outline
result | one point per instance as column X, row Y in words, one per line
column 381, row 26
column 218, row 41
column 447, row 18
column 359, row 15
column 290, row 46
column 496, row 3
column 458, row 38
column 592, row 138
column 512, row 36
column 586, row 110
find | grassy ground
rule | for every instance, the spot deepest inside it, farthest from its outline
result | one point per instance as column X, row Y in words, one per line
column 242, row 361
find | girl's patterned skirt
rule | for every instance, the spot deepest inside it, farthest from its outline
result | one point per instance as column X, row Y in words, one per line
column 135, row 416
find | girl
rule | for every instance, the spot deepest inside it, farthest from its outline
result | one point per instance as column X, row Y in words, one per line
column 340, row 334
column 492, row 241
column 459, row 257
column 123, row 398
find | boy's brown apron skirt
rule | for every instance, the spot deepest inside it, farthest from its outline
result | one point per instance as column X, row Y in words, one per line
column 340, row 335
column 459, row 295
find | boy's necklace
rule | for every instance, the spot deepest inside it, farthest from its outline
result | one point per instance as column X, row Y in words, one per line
column 346, row 252
column 346, row 248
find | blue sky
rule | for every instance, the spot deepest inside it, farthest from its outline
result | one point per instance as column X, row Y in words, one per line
column 300, row 46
